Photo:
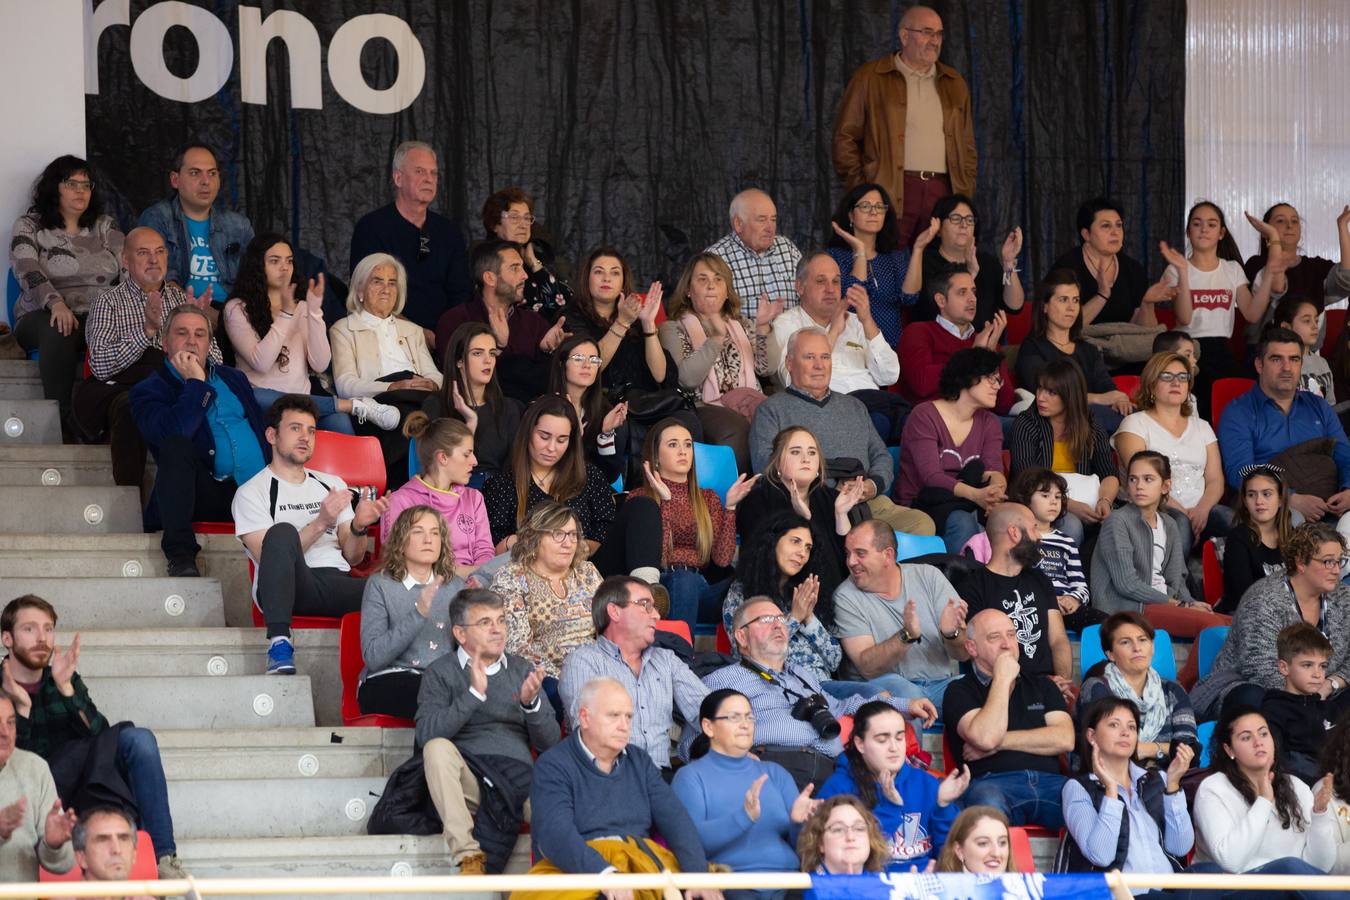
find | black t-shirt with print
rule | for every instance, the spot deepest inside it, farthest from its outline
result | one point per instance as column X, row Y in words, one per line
column 1027, row 599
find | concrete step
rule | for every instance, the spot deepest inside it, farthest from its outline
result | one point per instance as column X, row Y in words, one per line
column 280, row 753
column 81, row 509
column 85, row 603
column 236, row 701
column 54, row 464
column 19, row 380
column 273, row 808
column 29, row 422
column 20, row 390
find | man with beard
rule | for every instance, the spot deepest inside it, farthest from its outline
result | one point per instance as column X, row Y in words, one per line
column 900, row 626
column 301, row 531
column 55, row 716
column 1012, row 584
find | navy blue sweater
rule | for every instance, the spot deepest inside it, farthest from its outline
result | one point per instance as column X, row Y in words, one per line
column 573, row 802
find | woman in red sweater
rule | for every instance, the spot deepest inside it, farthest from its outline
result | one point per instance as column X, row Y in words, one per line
column 698, row 535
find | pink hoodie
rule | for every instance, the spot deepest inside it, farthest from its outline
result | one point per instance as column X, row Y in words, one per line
column 462, row 507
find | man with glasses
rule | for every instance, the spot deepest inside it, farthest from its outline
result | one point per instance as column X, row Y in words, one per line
column 625, row 618
column 927, row 346
column 763, row 262
column 430, row 246
column 480, row 702
column 523, row 335
column 905, row 123
column 796, row 723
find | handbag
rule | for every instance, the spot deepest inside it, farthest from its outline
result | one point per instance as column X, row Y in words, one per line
column 650, row 407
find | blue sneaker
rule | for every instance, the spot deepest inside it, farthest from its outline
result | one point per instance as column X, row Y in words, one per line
column 281, row 658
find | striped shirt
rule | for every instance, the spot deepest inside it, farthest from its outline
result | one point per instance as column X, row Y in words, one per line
column 773, row 272
column 116, row 327
column 1061, row 563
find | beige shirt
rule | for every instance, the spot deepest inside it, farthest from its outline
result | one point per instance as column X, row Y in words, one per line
column 925, row 142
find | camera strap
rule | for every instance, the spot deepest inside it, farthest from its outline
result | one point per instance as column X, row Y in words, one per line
column 768, row 676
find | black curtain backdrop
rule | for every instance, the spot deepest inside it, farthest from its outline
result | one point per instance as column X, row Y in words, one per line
column 633, row 122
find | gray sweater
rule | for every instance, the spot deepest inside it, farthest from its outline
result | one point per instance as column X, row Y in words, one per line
column 1122, row 563
column 839, row 422
column 498, row 725
column 394, row 635
column 26, row 775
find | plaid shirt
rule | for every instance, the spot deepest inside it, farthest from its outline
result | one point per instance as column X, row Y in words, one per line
column 773, row 272
column 115, row 331
column 54, row 719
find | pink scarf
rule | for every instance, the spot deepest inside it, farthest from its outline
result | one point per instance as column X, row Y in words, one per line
column 712, row 385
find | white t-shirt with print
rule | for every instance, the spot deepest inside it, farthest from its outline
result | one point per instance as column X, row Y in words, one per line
column 296, row 504
column 1187, row 454
column 1156, row 579
column 1213, row 298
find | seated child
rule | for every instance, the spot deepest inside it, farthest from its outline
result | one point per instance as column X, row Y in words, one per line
column 1043, row 492
column 1298, row 714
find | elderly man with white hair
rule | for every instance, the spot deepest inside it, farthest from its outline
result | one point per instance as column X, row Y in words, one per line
column 430, row 246
column 596, row 800
column 763, row 262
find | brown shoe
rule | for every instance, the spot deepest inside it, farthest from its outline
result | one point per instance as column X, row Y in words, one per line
column 473, row 864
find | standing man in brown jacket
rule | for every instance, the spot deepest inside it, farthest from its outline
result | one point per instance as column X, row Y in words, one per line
column 905, row 123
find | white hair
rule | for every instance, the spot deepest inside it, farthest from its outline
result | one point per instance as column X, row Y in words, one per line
column 591, row 689
column 737, row 209
column 361, row 275
column 402, row 150
column 806, row 329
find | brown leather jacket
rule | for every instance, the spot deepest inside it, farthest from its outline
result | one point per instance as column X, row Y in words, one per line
column 869, row 131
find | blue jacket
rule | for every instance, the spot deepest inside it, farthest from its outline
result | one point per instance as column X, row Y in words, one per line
column 914, row 832
column 230, row 233
column 165, row 406
column 1255, row 430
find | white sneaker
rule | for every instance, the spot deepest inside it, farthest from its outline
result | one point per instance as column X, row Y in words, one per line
column 382, row 414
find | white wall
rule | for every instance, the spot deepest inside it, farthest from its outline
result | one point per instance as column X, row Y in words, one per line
column 42, row 105
column 1266, row 119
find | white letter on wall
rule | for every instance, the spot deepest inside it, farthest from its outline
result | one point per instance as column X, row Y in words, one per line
column 344, row 64
column 302, row 53
column 214, row 48
column 109, row 12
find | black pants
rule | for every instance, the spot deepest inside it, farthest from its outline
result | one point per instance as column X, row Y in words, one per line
column 187, row 491
column 390, row 694
column 103, row 408
column 288, row 587
column 59, row 356
column 634, row 539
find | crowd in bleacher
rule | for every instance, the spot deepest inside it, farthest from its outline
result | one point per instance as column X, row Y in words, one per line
column 892, row 489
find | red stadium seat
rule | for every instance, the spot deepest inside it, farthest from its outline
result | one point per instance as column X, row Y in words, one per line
column 1166, row 317
column 1019, row 326
column 143, row 868
column 1212, row 572
column 676, row 626
column 1335, row 325
column 350, row 663
column 1225, row 389
column 213, row 527
column 846, row 729
column 1127, row 384
column 723, row 639
column 1019, row 844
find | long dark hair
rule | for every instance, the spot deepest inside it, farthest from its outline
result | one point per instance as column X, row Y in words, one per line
column 1286, row 801
column 582, row 293
column 1228, row 248
column 1040, row 321
column 888, row 238
column 708, row 709
column 594, row 406
column 1283, row 521
column 758, row 572
column 47, row 193
column 455, row 350
column 250, row 285
column 1265, row 247
column 1092, row 716
column 1336, row 757
column 863, row 777
column 1063, row 377
column 569, row 478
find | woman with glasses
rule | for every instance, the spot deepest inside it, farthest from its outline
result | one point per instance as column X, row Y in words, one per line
column 842, row 837
column 548, row 585
column 865, row 242
column 509, row 216
column 280, row 340
column 748, row 812
column 1308, row 590
column 1166, row 422
column 471, row 394
column 718, row 352
column 1056, row 327
column 64, row 253
column 950, row 244
column 951, row 451
column 574, row 373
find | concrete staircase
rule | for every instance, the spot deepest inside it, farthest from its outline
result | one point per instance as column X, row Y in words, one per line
column 263, row 780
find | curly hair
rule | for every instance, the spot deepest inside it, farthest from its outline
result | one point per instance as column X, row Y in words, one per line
column 960, row 831
column 1224, row 763
column 1146, row 397
column 250, row 285
column 758, row 572
column 965, row 369
column 813, row 834
column 543, row 519
column 863, row 777
column 500, row 203
column 1304, row 542
column 47, row 193
column 888, row 238
column 395, row 563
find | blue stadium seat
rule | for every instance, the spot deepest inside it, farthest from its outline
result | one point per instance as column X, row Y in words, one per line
column 716, row 466
column 1090, row 652
column 1208, row 645
column 908, row 546
column 413, row 465
column 1204, row 734
column 12, row 292
column 895, row 460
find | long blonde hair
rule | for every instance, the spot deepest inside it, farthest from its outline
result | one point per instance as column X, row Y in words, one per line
column 703, row 527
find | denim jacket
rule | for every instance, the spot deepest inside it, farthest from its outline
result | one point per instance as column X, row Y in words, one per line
column 229, row 235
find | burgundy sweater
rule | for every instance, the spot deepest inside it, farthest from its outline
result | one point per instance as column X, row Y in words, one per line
column 929, row 457
column 924, row 349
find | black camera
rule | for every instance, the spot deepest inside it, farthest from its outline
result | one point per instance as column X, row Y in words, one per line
column 814, row 709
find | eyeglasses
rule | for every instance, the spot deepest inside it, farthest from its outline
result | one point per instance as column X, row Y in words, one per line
column 994, row 378
column 517, row 218
column 871, row 207
column 927, row 32
column 958, row 221
column 580, row 358
column 564, row 537
column 736, row 718
column 1181, row 377
column 500, row 622
column 76, row 184
column 646, row 603
column 772, row 619
column 1332, row 562
column 839, row 829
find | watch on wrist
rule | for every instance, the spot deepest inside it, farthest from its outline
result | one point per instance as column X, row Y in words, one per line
column 953, row 636
column 907, row 637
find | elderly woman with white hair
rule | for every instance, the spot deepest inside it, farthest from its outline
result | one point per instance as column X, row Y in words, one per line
column 378, row 353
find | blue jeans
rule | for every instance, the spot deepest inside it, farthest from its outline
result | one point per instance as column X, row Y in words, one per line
column 692, row 599
column 960, row 527
column 1026, row 797
column 329, row 417
column 1072, row 527
column 138, row 761
column 1288, row 865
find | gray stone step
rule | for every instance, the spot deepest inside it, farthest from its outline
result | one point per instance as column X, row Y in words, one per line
column 83, row 509
column 20, row 390
column 19, row 380
column 54, row 464
column 280, row 753
column 85, row 603
column 273, row 808
column 29, row 422
column 236, row 701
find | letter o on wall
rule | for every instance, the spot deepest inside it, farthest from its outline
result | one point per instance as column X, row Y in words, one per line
column 214, row 47
column 344, row 64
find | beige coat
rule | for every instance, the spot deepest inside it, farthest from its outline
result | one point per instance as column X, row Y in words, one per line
column 356, row 356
